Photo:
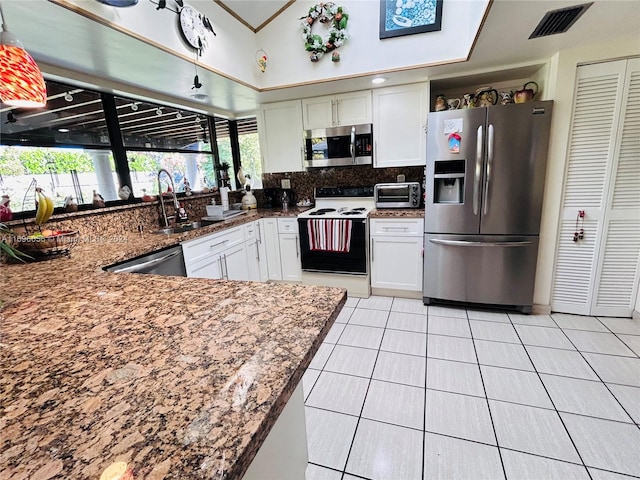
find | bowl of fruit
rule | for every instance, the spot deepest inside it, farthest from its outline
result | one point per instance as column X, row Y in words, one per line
column 47, row 242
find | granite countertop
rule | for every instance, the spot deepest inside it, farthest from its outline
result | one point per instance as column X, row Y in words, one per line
column 179, row 377
column 397, row 213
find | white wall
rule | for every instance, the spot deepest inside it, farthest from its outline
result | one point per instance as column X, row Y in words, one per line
column 233, row 51
column 561, row 86
column 364, row 52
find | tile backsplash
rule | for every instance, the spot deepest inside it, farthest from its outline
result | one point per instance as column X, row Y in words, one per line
column 126, row 218
column 303, row 183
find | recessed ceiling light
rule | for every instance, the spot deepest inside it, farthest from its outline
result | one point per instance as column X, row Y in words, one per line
column 378, row 80
column 63, row 130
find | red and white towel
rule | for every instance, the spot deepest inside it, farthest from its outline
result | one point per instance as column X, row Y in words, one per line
column 329, row 235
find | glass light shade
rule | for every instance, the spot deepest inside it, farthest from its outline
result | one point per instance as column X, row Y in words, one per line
column 21, row 82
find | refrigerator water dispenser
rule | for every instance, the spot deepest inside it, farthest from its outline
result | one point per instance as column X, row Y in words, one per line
column 449, row 181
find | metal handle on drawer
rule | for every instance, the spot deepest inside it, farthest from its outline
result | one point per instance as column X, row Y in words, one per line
column 226, row 267
column 464, row 243
column 257, row 252
column 402, row 229
column 372, row 249
column 220, row 265
column 297, row 251
column 219, row 243
column 259, row 233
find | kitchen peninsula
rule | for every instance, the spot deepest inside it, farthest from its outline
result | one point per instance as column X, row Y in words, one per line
column 178, row 377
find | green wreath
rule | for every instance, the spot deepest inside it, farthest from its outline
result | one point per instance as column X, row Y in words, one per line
column 325, row 13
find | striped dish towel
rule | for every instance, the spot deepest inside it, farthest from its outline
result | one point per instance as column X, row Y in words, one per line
column 329, row 235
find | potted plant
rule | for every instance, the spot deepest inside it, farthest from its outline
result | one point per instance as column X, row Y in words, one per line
column 6, row 248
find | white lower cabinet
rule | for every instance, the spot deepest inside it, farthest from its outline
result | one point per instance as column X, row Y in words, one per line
column 289, row 249
column 234, row 263
column 256, row 252
column 219, row 255
column 396, row 254
column 272, row 246
column 266, row 249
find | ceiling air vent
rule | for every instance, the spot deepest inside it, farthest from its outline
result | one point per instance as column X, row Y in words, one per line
column 559, row 21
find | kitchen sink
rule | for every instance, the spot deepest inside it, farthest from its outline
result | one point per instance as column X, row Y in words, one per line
column 185, row 227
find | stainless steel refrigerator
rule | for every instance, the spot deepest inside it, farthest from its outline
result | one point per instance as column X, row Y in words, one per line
column 483, row 201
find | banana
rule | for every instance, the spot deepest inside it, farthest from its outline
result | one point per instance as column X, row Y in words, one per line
column 44, row 208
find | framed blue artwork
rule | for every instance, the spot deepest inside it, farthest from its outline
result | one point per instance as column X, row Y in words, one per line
column 406, row 17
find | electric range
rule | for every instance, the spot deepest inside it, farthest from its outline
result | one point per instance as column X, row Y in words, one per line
column 334, row 239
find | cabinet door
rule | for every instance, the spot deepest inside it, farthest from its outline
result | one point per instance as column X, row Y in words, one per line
column 318, row 112
column 234, row 262
column 253, row 260
column 599, row 274
column 354, row 108
column 399, row 118
column 290, row 257
column 208, row 268
column 280, row 133
column 396, row 262
column 272, row 246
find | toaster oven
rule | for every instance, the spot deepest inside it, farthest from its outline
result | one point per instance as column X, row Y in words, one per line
column 397, row 195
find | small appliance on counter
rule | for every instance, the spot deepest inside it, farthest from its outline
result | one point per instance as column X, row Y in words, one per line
column 397, row 195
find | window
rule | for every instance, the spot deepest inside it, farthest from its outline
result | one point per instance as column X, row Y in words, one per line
column 64, row 146
column 250, row 151
column 83, row 140
column 248, row 148
column 158, row 136
column 60, row 172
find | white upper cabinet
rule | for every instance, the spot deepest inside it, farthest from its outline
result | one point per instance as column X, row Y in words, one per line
column 399, row 125
column 280, row 132
column 336, row 110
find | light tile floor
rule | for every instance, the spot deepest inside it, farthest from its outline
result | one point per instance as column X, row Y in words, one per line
column 400, row 391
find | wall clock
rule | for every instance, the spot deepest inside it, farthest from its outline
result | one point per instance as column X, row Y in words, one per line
column 193, row 26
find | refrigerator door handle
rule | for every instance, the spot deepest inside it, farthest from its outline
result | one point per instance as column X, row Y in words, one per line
column 487, row 178
column 465, row 243
column 478, row 170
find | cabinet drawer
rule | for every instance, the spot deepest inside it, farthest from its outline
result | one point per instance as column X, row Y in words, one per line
column 397, row 226
column 251, row 231
column 199, row 248
column 288, row 225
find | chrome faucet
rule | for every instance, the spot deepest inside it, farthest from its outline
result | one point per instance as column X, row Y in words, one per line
column 176, row 205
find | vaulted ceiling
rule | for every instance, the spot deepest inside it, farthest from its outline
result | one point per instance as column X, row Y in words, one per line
column 100, row 56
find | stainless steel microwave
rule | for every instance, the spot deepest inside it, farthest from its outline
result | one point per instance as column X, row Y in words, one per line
column 397, row 195
column 339, row 146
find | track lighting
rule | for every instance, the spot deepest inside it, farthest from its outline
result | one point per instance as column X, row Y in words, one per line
column 178, row 115
column 158, row 111
column 68, row 97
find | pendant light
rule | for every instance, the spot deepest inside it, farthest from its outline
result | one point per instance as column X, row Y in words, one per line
column 21, row 82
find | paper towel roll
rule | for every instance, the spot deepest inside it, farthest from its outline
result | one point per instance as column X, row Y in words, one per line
column 224, row 195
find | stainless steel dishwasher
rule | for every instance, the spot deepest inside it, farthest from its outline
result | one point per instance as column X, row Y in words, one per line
column 168, row 261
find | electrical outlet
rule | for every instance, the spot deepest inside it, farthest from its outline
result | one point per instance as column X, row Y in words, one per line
column 285, row 183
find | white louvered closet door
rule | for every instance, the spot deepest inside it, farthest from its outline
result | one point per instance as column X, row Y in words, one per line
column 598, row 275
